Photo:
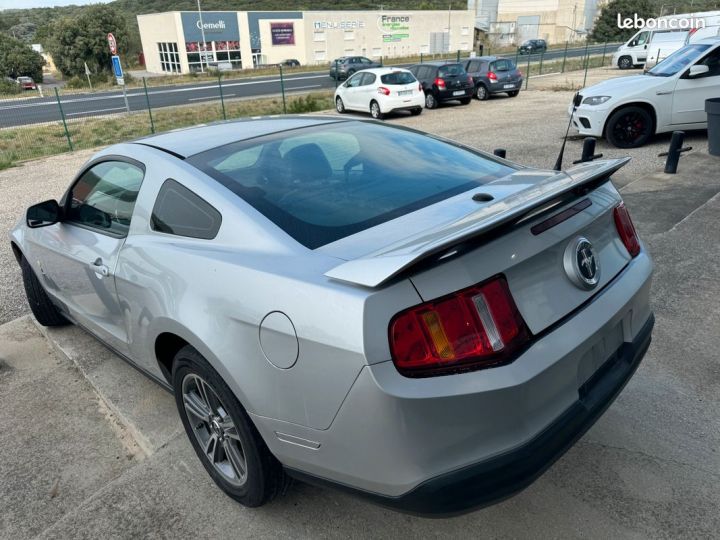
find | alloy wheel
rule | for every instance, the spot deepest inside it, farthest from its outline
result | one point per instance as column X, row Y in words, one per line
column 630, row 128
column 214, row 429
column 481, row 93
column 339, row 105
column 375, row 110
column 430, row 102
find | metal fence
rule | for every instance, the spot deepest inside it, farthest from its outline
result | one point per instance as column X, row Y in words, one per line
column 55, row 120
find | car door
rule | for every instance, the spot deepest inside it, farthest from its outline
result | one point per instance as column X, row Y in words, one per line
column 366, row 91
column 351, row 88
column 690, row 93
column 639, row 45
column 77, row 257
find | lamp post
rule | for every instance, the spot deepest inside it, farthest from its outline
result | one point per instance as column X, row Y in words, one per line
column 202, row 32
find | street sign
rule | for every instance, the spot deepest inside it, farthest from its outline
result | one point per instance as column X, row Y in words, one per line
column 117, row 70
column 112, row 43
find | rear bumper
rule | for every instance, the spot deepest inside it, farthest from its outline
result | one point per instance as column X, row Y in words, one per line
column 509, row 86
column 490, row 481
column 449, row 95
column 399, row 103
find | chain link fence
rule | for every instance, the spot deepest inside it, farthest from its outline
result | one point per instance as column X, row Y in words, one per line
column 55, row 120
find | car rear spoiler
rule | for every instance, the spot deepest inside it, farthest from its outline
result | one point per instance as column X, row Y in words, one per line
column 377, row 268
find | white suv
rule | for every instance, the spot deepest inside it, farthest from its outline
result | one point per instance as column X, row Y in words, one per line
column 380, row 91
column 627, row 111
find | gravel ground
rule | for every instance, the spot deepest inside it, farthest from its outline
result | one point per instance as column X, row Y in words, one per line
column 530, row 127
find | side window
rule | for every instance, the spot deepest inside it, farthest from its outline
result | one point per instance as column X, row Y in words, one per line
column 103, row 198
column 365, row 60
column 368, row 78
column 474, row 66
column 642, row 39
column 180, row 212
column 354, row 80
column 502, row 65
column 712, row 61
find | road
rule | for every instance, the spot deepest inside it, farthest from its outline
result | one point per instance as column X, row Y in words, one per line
column 14, row 112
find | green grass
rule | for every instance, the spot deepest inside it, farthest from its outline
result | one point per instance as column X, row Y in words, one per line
column 22, row 143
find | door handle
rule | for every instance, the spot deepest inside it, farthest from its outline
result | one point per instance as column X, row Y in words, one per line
column 100, row 268
column 663, row 93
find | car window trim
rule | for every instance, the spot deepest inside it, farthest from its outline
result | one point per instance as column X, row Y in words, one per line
column 65, row 200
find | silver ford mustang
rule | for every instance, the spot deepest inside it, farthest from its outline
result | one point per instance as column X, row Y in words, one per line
column 352, row 304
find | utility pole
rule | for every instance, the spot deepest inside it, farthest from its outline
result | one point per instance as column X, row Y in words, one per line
column 202, row 32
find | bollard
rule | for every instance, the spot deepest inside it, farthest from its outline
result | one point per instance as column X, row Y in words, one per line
column 500, row 152
column 673, row 153
column 588, row 151
column 712, row 108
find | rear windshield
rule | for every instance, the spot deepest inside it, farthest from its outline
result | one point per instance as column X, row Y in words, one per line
column 323, row 183
column 398, row 77
column 451, row 70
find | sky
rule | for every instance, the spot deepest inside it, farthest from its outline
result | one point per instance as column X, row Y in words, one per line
column 15, row 4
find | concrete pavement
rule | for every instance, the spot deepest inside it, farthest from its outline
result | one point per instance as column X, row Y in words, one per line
column 650, row 468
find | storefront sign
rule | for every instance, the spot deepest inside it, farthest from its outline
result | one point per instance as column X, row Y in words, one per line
column 394, row 27
column 338, row 25
column 282, row 33
column 217, row 25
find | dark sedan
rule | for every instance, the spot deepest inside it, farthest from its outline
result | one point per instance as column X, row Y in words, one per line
column 345, row 66
column 493, row 75
column 532, row 46
column 444, row 81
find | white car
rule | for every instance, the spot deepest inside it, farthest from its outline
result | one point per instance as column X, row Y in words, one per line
column 627, row 111
column 380, row 91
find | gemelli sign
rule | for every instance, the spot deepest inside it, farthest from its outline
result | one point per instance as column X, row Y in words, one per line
column 217, row 25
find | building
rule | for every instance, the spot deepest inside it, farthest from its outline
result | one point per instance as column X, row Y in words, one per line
column 187, row 41
column 510, row 22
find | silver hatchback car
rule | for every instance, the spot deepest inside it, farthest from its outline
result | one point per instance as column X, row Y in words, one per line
column 352, row 304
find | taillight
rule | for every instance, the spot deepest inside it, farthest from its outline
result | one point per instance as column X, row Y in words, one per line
column 626, row 230
column 440, row 83
column 474, row 328
column 383, row 90
column 420, row 87
column 470, row 79
column 491, row 75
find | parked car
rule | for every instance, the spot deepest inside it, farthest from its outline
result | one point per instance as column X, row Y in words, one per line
column 627, row 111
column 493, row 75
column 662, row 45
column 380, row 91
column 350, row 303
column 290, row 62
column 532, row 46
column 343, row 67
column 26, row 83
column 444, row 81
column 634, row 52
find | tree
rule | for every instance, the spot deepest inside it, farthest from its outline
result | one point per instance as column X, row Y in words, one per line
column 24, row 31
column 606, row 27
column 72, row 42
column 18, row 59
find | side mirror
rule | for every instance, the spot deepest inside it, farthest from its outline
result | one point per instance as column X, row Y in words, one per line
column 696, row 71
column 43, row 214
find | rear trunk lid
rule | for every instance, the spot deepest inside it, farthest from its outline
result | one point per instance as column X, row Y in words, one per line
column 460, row 242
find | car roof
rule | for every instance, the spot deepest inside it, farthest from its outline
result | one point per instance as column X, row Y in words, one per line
column 383, row 70
column 189, row 141
column 439, row 63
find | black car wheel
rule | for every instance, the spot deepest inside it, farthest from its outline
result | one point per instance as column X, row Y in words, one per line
column 481, row 92
column 514, row 93
column 625, row 62
column 339, row 105
column 430, row 101
column 375, row 111
column 40, row 305
column 222, row 434
column 629, row 127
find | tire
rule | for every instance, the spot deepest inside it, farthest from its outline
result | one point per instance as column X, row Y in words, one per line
column 625, row 62
column 629, row 127
column 514, row 93
column 430, row 101
column 196, row 383
column 339, row 105
column 481, row 92
column 375, row 111
column 416, row 112
column 40, row 305
column 465, row 101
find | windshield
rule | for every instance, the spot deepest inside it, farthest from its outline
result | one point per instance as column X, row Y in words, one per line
column 323, row 183
column 451, row 70
column 398, row 77
column 678, row 60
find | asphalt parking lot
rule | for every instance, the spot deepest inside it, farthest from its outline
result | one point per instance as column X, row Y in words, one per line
column 93, row 449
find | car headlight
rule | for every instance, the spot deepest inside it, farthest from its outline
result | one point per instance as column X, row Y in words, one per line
column 595, row 100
